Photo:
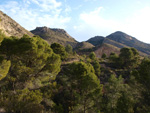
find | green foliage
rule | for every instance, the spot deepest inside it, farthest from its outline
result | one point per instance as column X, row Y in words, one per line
column 59, row 49
column 28, row 68
column 82, row 88
column 104, row 56
column 97, row 67
column 4, row 68
column 2, row 36
column 128, row 58
column 119, row 98
column 143, row 77
column 92, row 56
column 113, row 57
column 53, row 64
column 30, row 57
column 68, row 49
column 113, row 89
column 74, row 53
column 144, row 73
column 22, row 101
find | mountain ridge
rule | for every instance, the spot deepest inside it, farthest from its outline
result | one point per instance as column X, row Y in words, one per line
column 120, row 39
column 52, row 35
column 117, row 39
column 11, row 28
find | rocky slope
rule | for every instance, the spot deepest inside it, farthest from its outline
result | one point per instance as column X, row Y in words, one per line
column 98, row 44
column 10, row 27
column 129, row 41
column 54, row 35
column 118, row 40
column 84, row 45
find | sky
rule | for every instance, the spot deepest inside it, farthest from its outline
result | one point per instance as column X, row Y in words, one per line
column 83, row 19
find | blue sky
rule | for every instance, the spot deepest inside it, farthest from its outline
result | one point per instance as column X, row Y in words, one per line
column 83, row 19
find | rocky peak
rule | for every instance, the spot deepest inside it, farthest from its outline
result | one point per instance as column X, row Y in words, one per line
column 59, row 30
column 119, row 36
column 52, row 35
column 46, row 30
column 10, row 27
column 97, row 40
column 43, row 29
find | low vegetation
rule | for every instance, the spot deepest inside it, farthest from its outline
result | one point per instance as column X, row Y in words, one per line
column 36, row 77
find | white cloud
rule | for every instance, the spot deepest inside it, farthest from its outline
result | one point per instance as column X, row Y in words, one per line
column 47, row 5
column 67, row 9
column 139, row 25
column 93, row 23
column 30, row 15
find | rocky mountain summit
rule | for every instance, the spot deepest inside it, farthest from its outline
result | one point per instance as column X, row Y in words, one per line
column 10, row 27
column 54, row 35
column 99, row 44
column 119, row 40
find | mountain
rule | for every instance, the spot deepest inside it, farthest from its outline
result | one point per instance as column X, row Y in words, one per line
column 54, row 35
column 118, row 40
column 130, row 41
column 10, row 27
column 115, row 40
column 97, row 40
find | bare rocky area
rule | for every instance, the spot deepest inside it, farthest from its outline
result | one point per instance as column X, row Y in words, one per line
column 10, row 27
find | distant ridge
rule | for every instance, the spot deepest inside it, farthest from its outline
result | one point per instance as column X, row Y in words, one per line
column 99, row 44
column 129, row 41
column 54, row 35
column 119, row 40
column 11, row 28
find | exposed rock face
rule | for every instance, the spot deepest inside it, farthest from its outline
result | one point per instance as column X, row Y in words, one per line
column 54, row 35
column 11, row 28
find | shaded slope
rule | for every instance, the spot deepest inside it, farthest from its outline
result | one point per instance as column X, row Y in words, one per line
column 97, row 40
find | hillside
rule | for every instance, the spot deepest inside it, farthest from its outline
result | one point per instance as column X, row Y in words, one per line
column 84, row 45
column 119, row 40
column 36, row 77
column 130, row 41
column 54, row 35
column 10, row 27
column 116, row 40
column 107, row 49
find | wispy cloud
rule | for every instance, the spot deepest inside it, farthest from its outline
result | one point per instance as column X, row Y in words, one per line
column 32, row 13
column 93, row 23
column 47, row 5
column 139, row 24
column 89, row 0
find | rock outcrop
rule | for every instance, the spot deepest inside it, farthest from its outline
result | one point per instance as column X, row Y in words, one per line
column 54, row 36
